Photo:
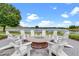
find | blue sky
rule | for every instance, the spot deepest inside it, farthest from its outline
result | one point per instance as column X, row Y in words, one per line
column 48, row 14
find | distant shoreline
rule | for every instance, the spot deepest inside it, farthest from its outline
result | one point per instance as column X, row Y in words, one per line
column 40, row 28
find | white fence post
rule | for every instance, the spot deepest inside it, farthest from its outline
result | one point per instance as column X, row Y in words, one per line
column 43, row 33
column 55, row 37
column 32, row 33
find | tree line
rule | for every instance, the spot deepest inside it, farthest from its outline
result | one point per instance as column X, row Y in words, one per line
column 73, row 27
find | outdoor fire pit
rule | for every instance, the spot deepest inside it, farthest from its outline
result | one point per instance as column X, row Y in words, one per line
column 38, row 42
column 39, row 45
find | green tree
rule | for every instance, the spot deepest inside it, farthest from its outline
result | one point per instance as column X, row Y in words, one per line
column 36, row 26
column 72, row 27
column 9, row 16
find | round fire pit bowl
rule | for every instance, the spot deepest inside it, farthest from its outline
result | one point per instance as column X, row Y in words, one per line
column 38, row 42
column 39, row 45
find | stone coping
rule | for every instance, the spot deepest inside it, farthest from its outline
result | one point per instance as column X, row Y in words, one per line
column 34, row 39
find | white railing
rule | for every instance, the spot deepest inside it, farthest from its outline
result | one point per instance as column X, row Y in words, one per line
column 21, row 49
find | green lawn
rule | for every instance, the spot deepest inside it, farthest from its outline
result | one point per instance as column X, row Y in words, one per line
column 49, row 33
column 71, row 35
column 38, row 33
column 60, row 33
column 15, row 33
column 27, row 32
column 74, row 36
column 2, row 35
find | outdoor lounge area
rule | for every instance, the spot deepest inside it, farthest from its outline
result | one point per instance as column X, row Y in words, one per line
column 39, row 29
column 39, row 45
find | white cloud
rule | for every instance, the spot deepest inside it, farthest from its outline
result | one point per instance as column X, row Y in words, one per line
column 54, row 8
column 46, row 23
column 60, row 25
column 64, row 15
column 67, row 22
column 75, row 11
column 77, row 23
column 31, row 17
column 24, row 24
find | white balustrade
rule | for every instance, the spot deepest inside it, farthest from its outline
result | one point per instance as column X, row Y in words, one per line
column 23, row 35
column 32, row 33
column 66, row 35
column 43, row 33
column 55, row 37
